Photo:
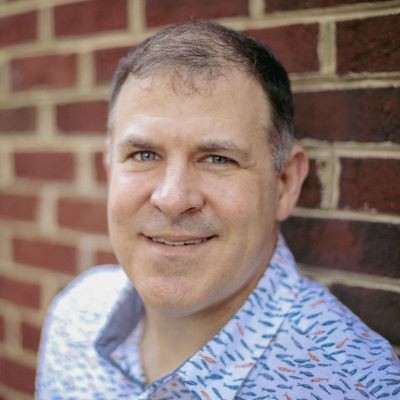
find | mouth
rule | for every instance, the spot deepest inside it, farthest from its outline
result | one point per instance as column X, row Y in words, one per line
column 180, row 242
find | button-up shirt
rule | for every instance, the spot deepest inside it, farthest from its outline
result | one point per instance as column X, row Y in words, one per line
column 291, row 339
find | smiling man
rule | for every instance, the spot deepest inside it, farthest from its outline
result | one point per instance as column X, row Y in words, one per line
column 208, row 302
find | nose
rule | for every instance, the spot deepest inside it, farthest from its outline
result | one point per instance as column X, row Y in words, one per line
column 177, row 192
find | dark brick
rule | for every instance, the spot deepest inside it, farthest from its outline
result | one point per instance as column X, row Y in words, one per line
column 19, row 292
column 30, row 336
column 163, row 12
column 16, row 375
column 367, row 247
column 295, row 45
column 44, row 166
column 2, row 329
column 379, row 309
column 41, row 253
column 370, row 44
column 363, row 115
column 106, row 61
column 101, row 175
column 105, row 257
column 83, row 215
column 287, row 5
column 90, row 16
column 18, row 28
column 18, row 207
column 34, row 72
column 87, row 117
column 370, row 184
column 311, row 191
column 18, row 119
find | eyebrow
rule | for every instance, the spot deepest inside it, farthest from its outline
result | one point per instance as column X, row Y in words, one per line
column 213, row 146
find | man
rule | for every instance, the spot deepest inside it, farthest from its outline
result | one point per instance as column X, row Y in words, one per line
column 202, row 168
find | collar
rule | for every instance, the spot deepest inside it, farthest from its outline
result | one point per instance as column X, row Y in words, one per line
column 227, row 359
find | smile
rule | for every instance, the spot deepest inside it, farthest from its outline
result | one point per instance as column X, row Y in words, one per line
column 187, row 242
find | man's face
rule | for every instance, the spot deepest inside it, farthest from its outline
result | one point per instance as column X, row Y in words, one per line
column 193, row 198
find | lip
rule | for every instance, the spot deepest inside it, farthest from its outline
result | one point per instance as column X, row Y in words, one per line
column 177, row 242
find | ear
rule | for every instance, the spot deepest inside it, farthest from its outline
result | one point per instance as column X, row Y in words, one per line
column 291, row 179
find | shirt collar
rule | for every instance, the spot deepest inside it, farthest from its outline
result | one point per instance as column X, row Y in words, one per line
column 228, row 357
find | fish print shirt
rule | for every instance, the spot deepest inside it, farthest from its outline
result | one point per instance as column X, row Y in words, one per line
column 291, row 340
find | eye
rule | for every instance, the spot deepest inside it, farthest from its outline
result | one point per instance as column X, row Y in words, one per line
column 219, row 160
column 144, row 156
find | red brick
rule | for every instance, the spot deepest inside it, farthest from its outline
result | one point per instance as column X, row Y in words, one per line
column 87, row 117
column 105, row 257
column 363, row 115
column 18, row 28
column 16, row 375
column 367, row 247
column 45, row 166
column 370, row 44
column 106, row 61
column 370, row 184
column 19, row 292
column 163, row 12
column 101, row 175
column 19, row 207
column 30, row 336
column 287, row 5
column 311, row 192
column 83, row 215
column 2, row 329
column 40, row 253
column 294, row 45
column 90, row 16
column 18, row 119
column 379, row 309
column 34, row 72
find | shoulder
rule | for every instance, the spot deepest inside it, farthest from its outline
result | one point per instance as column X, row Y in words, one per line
column 88, row 299
column 334, row 336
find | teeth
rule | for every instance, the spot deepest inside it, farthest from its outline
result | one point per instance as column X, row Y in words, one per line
column 186, row 242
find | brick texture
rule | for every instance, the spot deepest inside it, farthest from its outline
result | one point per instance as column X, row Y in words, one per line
column 20, row 292
column 18, row 28
column 105, row 257
column 89, row 17
column 40, row 253
column 56, row 79
column 106, row 61
column 370, row 184
column 82, row 215
column 295, row 45
column 289, row 5
column 363, row 115
column 30, row 336
column 44, row 166
column 101, row 175
column 87, row 117
column 48, row 71
column 19, row 119
column 163, row 12
column 18, row 207
column 311, row 191
column 370, row 44
column 17, row 375
column 345, row 245
column 374, row 307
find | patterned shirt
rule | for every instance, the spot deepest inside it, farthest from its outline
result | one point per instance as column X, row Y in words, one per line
column 290, row 340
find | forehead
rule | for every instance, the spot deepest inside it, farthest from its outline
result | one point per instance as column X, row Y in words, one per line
column 233, row 102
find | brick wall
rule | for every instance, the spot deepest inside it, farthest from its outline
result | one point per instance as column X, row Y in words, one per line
column 56, row 61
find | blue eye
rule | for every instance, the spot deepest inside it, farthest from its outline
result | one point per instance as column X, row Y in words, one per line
column 220, row 160
column 145, row 156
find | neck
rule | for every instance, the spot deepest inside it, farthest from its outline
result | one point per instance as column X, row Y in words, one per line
column 184, row 334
